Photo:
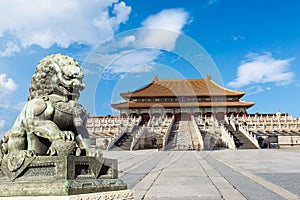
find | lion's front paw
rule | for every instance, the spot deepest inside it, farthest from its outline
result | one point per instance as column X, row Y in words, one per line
column 51, row 151
column 66, row 135
column 62, row 148
column 30, row 153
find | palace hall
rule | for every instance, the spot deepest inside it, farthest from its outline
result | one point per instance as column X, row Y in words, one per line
column 190, row 114
column 185, row 97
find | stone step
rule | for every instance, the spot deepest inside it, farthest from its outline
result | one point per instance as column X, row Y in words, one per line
column 182, row 137
column 240, row 140
column 123, row 143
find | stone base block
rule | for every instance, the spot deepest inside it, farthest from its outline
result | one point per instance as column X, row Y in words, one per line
column 60, row 187
column 60, row 176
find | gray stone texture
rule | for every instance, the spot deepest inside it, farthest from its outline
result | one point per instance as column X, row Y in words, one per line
column 223, row 174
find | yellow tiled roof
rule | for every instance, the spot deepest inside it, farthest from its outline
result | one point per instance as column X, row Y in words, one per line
column 191, row 87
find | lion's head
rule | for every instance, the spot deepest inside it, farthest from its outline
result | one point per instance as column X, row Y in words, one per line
column 57, row 74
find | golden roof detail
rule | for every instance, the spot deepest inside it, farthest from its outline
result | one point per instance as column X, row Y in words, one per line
column 185, row 87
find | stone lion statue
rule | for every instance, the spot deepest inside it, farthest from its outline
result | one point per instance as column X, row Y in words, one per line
column 52, row 122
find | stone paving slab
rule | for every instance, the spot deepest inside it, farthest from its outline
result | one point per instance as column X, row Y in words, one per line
column 182, row 191
column 147, row 181
column 221, row 183
column 231, row 194
column 290, row 181
column 224, row 174
column 185, row 178
column 179, row 172
column 188, row 198
column 174, row 181
column 249, row 188
column 275, row 169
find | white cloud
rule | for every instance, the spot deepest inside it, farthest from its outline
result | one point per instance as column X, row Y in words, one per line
column 87, row 71
column 61, row 22
column 166, row 27
column 160, row 31
column 10, row 49
column 19, row 106
column 132, row 62
column 238, row 37
column 127, row 40
column 172, row 19
column 10, row 109
column 7, row 85
column 143, row 69
column 2, row 124
column 212, row 2
column 4, row 105
column 254, row 89
column 264, row 68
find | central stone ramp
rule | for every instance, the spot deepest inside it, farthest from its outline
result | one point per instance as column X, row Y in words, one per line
column 182, row 137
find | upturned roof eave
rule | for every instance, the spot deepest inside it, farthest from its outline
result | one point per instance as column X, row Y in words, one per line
column 126, row 95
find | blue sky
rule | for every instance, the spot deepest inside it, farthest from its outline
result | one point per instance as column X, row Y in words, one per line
column 248, row 45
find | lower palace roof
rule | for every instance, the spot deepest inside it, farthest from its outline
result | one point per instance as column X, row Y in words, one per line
column 132, row 104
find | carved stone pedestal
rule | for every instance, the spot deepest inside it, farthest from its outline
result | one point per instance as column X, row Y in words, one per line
column 60, row 176
column 112, row 195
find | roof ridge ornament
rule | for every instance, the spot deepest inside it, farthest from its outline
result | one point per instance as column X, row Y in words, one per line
column 208, row 77
column 155, row 78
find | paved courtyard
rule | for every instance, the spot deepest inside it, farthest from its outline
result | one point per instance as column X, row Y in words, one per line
column 223, row 174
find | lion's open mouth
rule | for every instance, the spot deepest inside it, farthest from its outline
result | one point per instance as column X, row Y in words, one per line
column 68, row 91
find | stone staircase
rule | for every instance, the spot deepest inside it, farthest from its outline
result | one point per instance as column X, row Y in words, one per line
column 195, row 140
column 182, row 137
column 241, row 141
column 124, row 142
column 171, row 144
column 208, row 140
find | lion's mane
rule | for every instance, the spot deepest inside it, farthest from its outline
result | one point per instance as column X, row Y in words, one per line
column 42, row 79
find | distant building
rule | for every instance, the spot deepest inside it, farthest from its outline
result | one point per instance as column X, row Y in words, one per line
column 193, row 114
column 182, row 98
